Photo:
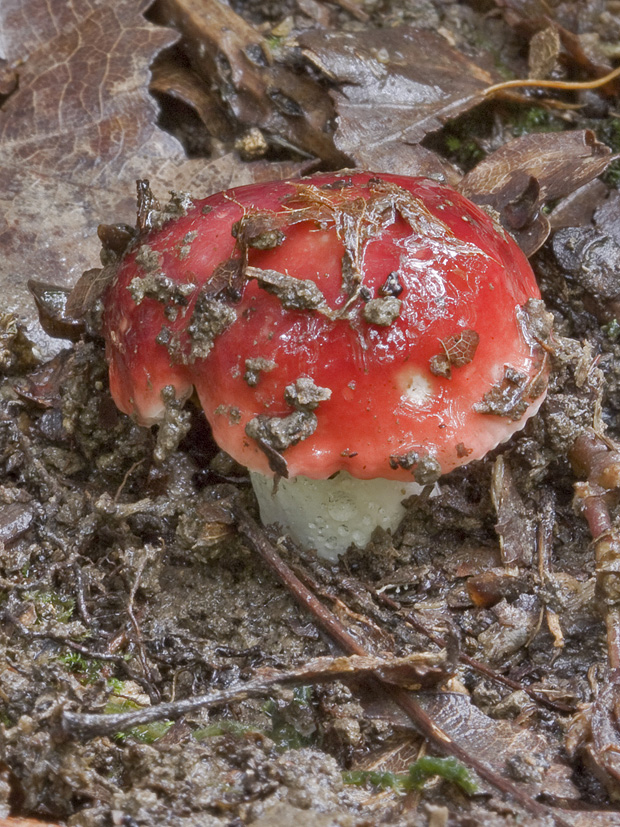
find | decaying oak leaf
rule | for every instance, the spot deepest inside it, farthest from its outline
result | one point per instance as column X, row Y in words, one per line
column 77, row 133
column 519, row 177
column 393, row 87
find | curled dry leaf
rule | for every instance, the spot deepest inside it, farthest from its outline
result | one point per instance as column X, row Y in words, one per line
column 518, row 178
column 393, row 87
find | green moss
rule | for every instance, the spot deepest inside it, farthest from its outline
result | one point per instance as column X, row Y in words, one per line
column 611, row 330
column 89, row 669
column 523, row 120
column 447, row 768
column 145, row 733
column 51, row 606
column 459, row 140
column 225, row 727
column 292, row 724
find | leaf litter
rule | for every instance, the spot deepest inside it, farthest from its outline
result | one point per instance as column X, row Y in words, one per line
column 130, row 582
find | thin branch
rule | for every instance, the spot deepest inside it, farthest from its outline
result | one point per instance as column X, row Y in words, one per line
column 319, row 670
column 552, row 84
column 119, row 660
column 485, row 670
column 258, row 540
column 153, row 692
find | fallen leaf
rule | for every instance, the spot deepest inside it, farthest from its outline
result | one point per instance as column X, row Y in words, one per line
column 392, row 87
column 226, row 51
column 577, row 209
column 515, row 523
column 519, row 177
column 501, row 744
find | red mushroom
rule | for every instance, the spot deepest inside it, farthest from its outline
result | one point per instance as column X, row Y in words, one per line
column 373, row 327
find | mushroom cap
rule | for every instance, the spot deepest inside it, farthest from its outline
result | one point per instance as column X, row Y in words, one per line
column 378, row 324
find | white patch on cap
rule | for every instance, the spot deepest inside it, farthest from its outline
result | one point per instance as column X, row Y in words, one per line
column 417, row 390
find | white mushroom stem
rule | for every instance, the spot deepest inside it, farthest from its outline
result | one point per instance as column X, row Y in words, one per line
column 329, row 515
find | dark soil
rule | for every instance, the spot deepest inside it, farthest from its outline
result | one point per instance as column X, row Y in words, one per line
column 125, row 583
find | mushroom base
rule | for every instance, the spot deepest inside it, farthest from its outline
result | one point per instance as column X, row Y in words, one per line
column 329, row 515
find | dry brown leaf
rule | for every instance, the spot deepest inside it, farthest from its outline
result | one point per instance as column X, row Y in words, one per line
column 227, row 51
column 503, row 745
column 393, row 86
column 577, row 209
column 515, row 523
column 560, row 162
column 520, row 176
column 77, row 133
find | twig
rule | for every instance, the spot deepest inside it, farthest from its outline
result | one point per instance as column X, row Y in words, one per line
column 81, row 600
column 485, row 670
column 119, row 660
column 257, row 539
column 553, row 84
column 128, row 473
column 599, row 461
column 85, row 726
column 319, row 670
column 153, row 692
column 438, row 640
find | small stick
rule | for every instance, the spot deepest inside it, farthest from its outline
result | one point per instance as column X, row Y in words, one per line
column 258, row 540
column 119, row 660
column 553, row 84
column 318, row 670
column 438, row 640
column 153, row 692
